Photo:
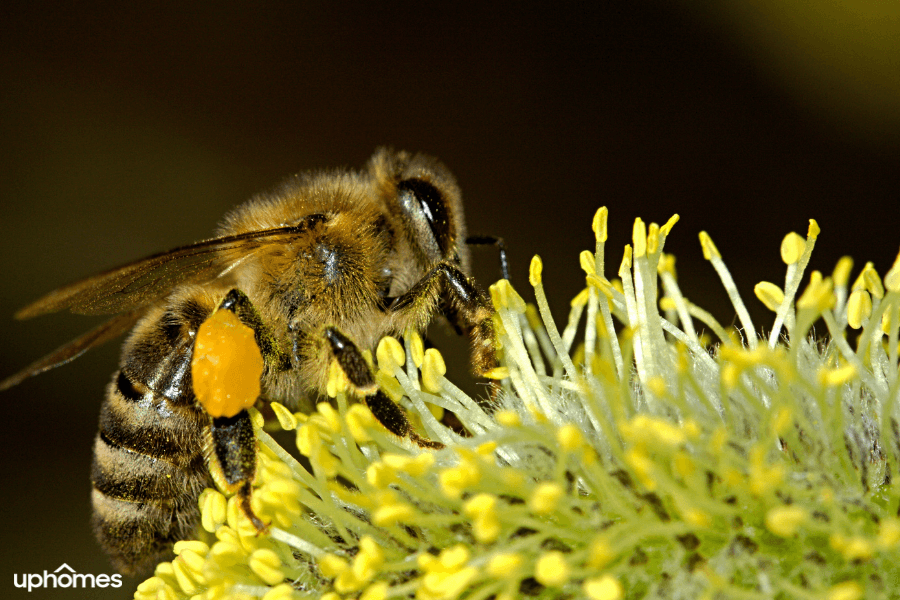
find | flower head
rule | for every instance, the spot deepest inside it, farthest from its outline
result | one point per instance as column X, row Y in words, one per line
column 647, row 459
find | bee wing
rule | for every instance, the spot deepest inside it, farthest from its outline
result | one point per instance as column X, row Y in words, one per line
column 136, row 284
column 72, row 350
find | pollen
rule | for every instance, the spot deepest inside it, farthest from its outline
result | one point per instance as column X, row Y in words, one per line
column 390, row 355
column 785, row 521
column 606, row 587
column 769, row 294
column 859, row 308
column 504, row 565
column 433, row 370
column 552, row 569
column 545, row 497
column 267, row 566
column 792, row 247
column 227, row 365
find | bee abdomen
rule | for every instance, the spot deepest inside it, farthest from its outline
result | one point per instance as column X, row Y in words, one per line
column 147, row 473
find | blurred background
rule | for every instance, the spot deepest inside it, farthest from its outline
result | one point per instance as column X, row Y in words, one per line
column 126, row 131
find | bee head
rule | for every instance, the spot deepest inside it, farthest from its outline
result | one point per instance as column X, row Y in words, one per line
column 422, row 193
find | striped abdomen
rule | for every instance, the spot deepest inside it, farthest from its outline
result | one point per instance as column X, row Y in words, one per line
column 149, row 468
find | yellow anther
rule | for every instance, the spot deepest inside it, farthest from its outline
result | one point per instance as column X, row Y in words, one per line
column 445, row 586
column 282, row 591
column 643, row 467
column 683, row 464
column 552, row 569
column 666, row 303
column 487, row 449
column 792, row 247
column 782, row 420
column 504, row 565
column 496, row 373
column 330, row 416
column 696, row 517
column 888, row 533
column 667, row 228
column 545, row 497
column 286, row 418
column 657, row 386
column 600, row 553
column 212, row 508
column 376, row 591
column 226, row 365
column 453, row 558
column 846, row 590
column 644, row 427
column 873, row 281
column 653, row 238
column 391, row 514
column 379, row 475
column 455, row 480
column 189, row 581
column 785, row 521
column 860, row 283
column 534, row 271
column 390, row 354
column 416, row 349
column 508, row 418
column 359, row 418
column 337, row 380
column 195, row 549
column 709, row 248
column 639, row 238
column 586, row 258
column 626, row 263
column 666, row 264
column 504, row 295
column 769, row 294
column 892, row 279
column 308, row 439
column 599, row 223
column 267, row 566
column 813, row 231
column 605, row 587
column 581, row 298
column 842, row 271
column 480, row 504
column 433, row 370
column 569, row 437
column 818, row 294
column 859, row 308
column 853, row 548
column 601, row 284
column 389, row 385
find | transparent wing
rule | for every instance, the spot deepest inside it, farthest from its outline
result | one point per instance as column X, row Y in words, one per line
column 72, row 350
column 136, row 284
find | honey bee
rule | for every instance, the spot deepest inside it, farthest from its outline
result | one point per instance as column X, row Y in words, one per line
column 320, row 269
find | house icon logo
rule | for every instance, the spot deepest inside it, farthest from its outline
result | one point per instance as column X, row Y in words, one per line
column 64, row 577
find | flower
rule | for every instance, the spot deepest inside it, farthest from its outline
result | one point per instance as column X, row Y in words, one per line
column 644, row 461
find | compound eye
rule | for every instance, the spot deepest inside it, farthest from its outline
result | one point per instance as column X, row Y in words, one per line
column 425, row 206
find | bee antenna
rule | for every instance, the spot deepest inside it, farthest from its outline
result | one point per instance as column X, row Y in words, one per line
column 497, row 242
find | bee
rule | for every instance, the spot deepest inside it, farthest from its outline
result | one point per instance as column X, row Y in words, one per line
column 319, row 270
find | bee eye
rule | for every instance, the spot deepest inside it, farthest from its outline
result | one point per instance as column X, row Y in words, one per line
column 426, row 208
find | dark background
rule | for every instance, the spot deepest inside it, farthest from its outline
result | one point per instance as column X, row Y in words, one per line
column 128, row 131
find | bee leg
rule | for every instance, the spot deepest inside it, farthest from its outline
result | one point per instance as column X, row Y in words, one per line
column 237, row 302
column 360, row 375
column 466, row 307
column 492, row 240
column 232, row 459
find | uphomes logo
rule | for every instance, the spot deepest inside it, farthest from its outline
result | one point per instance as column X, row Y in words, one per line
column 65, row 577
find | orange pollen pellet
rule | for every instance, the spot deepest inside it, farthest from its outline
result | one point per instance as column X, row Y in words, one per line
column 227, row 365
